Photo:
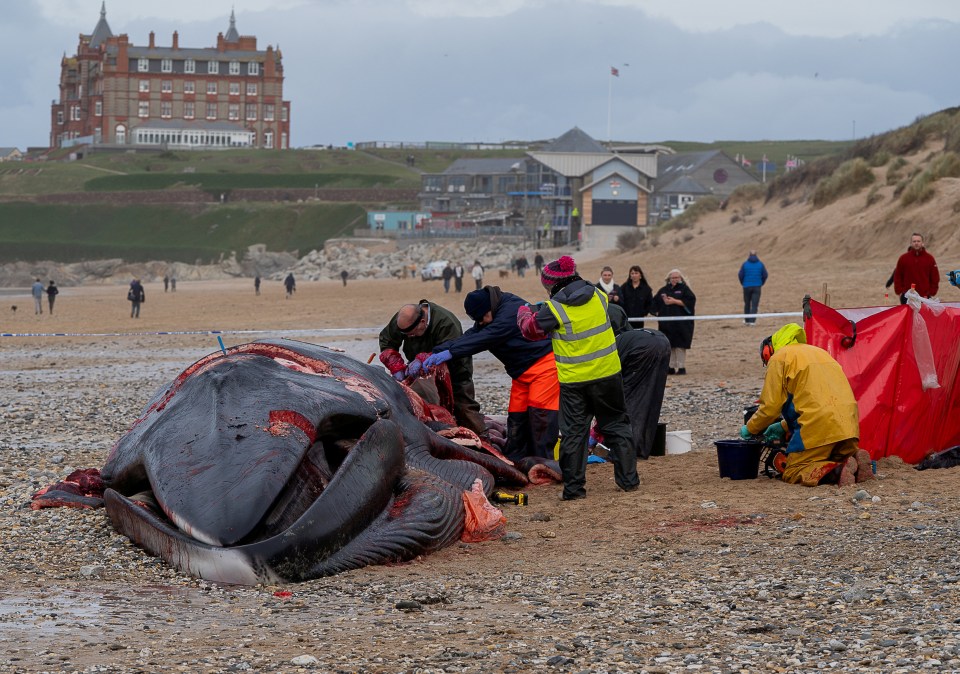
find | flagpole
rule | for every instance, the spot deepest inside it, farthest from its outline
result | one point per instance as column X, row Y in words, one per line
column 609, row 104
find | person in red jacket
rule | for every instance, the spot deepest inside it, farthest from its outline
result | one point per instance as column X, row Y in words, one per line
column 916, row 268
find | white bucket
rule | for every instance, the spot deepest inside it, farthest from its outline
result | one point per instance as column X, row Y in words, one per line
column 679, row 442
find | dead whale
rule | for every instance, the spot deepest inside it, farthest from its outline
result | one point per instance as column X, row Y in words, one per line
column 282, row 461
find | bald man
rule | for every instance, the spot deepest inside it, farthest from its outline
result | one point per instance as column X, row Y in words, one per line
column 418, row 328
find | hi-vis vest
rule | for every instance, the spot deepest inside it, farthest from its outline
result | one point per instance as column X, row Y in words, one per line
column 584, row 348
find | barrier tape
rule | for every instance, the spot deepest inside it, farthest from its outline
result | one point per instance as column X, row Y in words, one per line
column 717, row 317
column 332, row 332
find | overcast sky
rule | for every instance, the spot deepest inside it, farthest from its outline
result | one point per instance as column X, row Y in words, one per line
column 495, row 70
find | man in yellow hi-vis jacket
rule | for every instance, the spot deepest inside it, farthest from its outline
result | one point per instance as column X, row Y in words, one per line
column 808, row 388
column 588, row 368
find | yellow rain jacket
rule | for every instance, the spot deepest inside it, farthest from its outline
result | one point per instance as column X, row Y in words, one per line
column 808, row 387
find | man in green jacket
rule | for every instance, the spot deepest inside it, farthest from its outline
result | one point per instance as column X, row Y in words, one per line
column 416, row 329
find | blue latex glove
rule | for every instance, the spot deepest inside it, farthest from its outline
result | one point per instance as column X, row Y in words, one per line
column 774, row 432
column 744, row 433
column 436, row 359
column 415, row 368
column 400, row 375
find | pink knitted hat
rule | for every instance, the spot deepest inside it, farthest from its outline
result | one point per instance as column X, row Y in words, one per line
column 558, row 270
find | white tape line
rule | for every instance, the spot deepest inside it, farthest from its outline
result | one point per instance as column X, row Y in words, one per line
column 718, row 317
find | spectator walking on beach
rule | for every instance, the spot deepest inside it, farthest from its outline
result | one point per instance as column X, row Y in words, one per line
column 256, row 284
column 52, row 292
column 166, row 282
column 916, row 268
column 447, row 276
column 458, row 277
column 37, row 291
column 344, row 275
column 676, row 299
column 290, row 284
column 538, row 262
column 137, row 297
column 477, row 274
column 173, row 284
column 752, row 275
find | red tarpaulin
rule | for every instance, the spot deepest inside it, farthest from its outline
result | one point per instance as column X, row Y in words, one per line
column 903, row 365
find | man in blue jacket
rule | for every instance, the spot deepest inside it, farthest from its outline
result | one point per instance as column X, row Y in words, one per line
column 533, row 413
column 753, row 274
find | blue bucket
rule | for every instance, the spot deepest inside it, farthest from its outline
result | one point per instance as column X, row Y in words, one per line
column 738, row 459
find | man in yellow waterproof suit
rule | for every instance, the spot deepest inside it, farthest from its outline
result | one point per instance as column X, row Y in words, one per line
column 808, row 388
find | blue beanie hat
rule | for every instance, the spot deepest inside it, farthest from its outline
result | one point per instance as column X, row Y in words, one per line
column 477, row 304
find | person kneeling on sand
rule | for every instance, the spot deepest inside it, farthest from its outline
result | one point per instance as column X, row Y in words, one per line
column 822, row 446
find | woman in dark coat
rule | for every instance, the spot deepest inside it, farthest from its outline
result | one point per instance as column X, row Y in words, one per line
column 676, row 299
column 636, row 295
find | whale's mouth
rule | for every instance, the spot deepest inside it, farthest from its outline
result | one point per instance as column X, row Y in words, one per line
column 337, row 436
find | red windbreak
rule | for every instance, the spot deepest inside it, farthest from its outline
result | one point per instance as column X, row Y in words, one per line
column 903, row 368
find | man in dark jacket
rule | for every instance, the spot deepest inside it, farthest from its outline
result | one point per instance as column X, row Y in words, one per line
column 644, row 357
column 417, row 329
column 752, row 275
column 588, row 367
column 916, row 268
column 533, row 412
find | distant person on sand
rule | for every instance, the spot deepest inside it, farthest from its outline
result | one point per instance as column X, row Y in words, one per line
column 538, row 262
column 477, row 274
column 458, row 277
column 752, row 275
column 256, row 284
column 344, row 275
column 52, row 292
column 676, row 299
column 166, row 282
column 290, row 285
column 173, row 284
column 916, row 268
column 37, row 291
column 136, row 297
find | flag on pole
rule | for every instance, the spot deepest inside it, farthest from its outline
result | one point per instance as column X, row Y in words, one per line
column 614, row 72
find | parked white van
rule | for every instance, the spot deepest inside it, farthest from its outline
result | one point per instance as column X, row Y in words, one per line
column 433, row 271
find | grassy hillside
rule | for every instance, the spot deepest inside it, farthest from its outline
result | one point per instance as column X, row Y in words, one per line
column 140, row 233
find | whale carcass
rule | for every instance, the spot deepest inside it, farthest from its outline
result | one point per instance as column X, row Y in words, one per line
column 279, row 461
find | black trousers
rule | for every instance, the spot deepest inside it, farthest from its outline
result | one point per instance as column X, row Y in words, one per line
column 579, row 404
column 751, row 302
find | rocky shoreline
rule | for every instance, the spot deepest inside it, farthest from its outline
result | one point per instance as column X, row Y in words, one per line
column 361, row 258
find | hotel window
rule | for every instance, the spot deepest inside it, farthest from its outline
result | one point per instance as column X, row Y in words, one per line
column 166, row 109
column 98, row 108
column 212, row 88
column 251, row 88
column 144, row 86
column 166, row 65
column 75, row 113
column 189, row 87
column 234, row 88
column 121, row 134
column 144, row 109
column 251, row 112
column 268, row 139
column 234, row 67
column 283, row 113
column 233, row 112
column 189, row 66
column 143, row 65
column 59, row 116
column 213, row 67
column 188, row 109
column 211, row 110
column 268, row 112
column 253, row 68
column 166, row 86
